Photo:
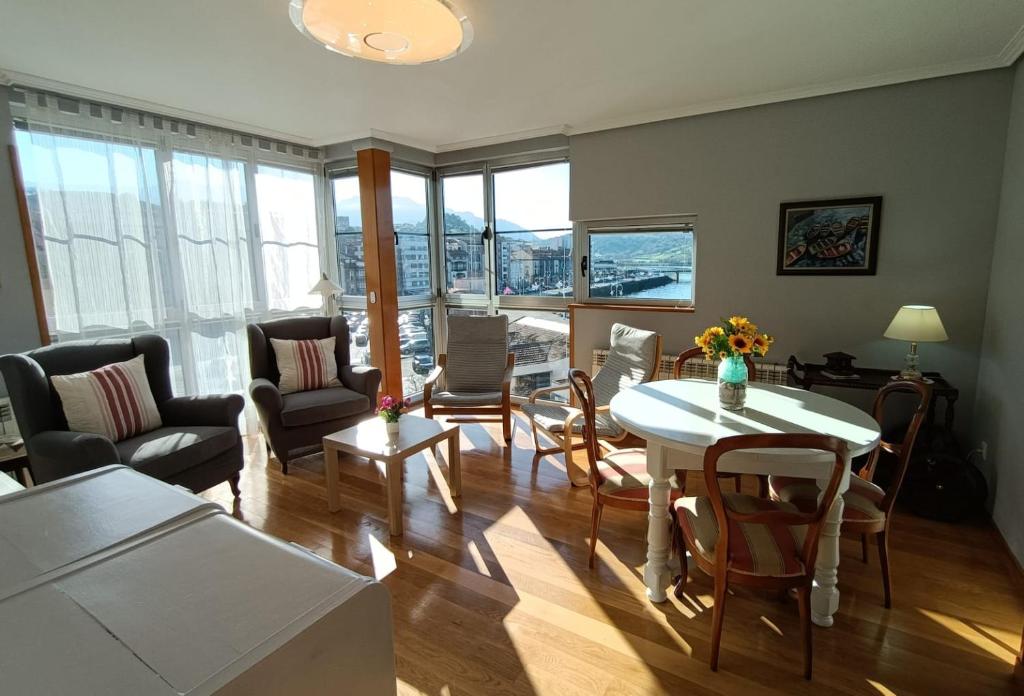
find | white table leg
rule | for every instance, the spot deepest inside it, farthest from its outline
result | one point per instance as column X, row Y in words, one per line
column 825, row 592
column 656, row 572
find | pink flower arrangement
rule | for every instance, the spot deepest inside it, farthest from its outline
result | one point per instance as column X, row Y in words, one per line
column 391, row 408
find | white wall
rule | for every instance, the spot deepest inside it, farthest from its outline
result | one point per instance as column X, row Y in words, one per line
column 18, row 328
column 999, row 410
column 933, row 149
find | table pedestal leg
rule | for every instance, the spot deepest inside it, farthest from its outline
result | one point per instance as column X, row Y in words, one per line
column 656, row 572
column 825, row 592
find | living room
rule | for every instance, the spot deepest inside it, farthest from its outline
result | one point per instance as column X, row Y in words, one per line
column 411, row 317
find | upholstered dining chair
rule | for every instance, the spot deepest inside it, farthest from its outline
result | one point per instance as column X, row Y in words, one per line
column 476, row 370
column 633, row 357
column 868, row 508
column 618, row 479
column 700, row 367
column 743, row 540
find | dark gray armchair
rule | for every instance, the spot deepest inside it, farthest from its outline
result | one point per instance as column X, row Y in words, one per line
column 197, row 446
column 296, row 423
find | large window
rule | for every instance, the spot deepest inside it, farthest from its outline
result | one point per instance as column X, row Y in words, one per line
column 409, row 213
column 463, row 222
column 288, row 234
column 416, row 344
column 540, row 342
column 639, row 261
column 348, row 235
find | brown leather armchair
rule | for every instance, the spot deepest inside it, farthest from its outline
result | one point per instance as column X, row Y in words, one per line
column 296, row 423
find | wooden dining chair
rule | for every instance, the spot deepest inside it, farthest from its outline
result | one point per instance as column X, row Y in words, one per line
column 744, row 540
column 868, row 508
column 620, row 478
column 706, row 369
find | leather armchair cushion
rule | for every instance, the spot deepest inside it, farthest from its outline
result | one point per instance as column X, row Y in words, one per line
column 166, row 452
column 306, row 408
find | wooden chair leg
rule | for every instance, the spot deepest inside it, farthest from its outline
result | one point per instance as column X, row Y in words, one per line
column 284, row 466
column 864, row 547
column 717, row 618
column 233, row 482
column 506, row 422
column 738, row 483
column 804, row 600
column 883, row 556
column 595, row 525
column 762, row 486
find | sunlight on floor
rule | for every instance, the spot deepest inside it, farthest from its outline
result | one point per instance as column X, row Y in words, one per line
column 992, row 640
column 383, row 560
column 881, row 688
column 478, row 559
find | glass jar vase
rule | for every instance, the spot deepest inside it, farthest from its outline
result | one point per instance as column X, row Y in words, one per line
column 732, row 383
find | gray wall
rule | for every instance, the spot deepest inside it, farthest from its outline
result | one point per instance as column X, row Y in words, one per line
column 933, row 149
column 18, row 328
column 1000, row 404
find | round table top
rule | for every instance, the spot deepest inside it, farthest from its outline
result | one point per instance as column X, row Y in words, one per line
column 685, row 414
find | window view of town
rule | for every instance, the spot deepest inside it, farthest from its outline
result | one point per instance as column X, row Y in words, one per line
column 642, row 265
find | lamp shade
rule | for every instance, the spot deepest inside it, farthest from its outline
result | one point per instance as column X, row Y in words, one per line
column 918, row 323
column 325, row 286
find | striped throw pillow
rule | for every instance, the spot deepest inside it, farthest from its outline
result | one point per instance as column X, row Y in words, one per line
column 114, row 401
column 305, row 365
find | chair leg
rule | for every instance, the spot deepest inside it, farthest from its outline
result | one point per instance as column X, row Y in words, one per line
column 738, row 483
column 762, row 486
column 284, row 466
column 717, row 618
column 883, row 556
column 864, row 547
column 595, row 525
column 804, row 600
column 233, row 482
column 506, row 424
column 680, row 547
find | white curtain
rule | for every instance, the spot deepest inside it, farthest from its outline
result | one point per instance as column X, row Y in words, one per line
column 149, row 225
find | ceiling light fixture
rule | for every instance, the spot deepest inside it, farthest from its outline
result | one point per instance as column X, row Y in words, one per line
column 403, row 32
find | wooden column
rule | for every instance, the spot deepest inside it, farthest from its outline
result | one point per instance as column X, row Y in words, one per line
column 30, row 248
column 374, row 168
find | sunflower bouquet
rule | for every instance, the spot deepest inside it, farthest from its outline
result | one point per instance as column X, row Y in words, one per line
column 734, row 338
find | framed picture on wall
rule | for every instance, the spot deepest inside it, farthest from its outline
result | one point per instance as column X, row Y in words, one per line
column 837, row 237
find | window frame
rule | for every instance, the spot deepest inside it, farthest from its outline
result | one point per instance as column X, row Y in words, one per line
column 584, row 229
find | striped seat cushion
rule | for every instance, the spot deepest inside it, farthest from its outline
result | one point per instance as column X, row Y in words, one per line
column 552, row 417
column 860, row 503
column 305, row 365
column 623, row 474
column 755, row 548
column 114, row 401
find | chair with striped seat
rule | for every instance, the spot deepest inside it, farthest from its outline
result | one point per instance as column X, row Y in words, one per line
column 474, row 377
column 680, row 369
column 868, row 508
column 745, row 540
column 632, row 359
column 620, row 478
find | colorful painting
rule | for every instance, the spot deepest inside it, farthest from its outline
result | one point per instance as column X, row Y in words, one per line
column 837, row 237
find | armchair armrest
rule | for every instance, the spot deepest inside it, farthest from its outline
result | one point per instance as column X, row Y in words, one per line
column 361, row 378
column 266, row 396
column 58, row 453
column 543, row 391
column 510, row 364
column 435, row 374
column 214, row 409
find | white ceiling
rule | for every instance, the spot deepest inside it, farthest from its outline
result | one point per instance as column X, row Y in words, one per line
column 534, row 67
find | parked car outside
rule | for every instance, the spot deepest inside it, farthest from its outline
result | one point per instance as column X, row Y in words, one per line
column 422, row 363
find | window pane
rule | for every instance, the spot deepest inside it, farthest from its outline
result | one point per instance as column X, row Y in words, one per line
column 530, row 265
column 291, row 258
column 642, row 265
column 463, row 198
column 358, row 336
column 416, row 343
column 540, row 341
column 532, row 198
column 348, row 231
column 412, row 255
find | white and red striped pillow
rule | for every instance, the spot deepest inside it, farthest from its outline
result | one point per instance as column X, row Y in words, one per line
column 305, row 365
column 114, row 401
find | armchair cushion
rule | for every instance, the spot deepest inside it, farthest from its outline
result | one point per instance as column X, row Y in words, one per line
column 477, row 354
column 631, row 358
column 551, row 417
column 165, row 452
column 306, row 408
column 447, row 398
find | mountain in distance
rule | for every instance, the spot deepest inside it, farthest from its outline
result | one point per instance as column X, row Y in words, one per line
column 407, row 211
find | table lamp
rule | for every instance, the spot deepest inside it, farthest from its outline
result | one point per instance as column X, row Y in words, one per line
column 917, row 324
column 329, row 289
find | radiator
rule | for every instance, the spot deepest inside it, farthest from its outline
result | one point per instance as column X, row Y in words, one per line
column 767, row 372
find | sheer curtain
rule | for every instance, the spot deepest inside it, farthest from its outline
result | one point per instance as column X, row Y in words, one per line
column 144, row 224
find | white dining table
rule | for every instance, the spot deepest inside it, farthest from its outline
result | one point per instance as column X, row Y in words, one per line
column 679, row 419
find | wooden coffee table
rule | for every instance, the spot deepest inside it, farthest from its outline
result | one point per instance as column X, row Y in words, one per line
column 369, row 439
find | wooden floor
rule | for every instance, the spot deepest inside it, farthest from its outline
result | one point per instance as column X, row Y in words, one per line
column 492, row 594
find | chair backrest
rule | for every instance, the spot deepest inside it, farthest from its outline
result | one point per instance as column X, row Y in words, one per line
column 901, row 450
column 35, row 402
column 263, row 361
column 583, row 389
column 728, row 519
column 633, row 356
column 476, row 354
column 694, row 353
